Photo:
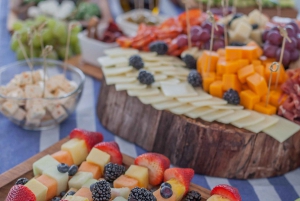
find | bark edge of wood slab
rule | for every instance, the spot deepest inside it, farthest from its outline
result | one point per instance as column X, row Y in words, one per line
column 212, row 149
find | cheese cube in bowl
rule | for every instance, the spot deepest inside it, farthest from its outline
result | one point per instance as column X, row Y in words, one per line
column 41, row 98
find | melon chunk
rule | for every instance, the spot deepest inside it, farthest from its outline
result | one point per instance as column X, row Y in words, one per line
column 139, row 173
column 50, row 183
column 60, row 178
column 84, row 192
column 63, row 157
column 125, row 181
column 89, row 182
column 43, row 163
column 77, row 148
column 98, row 158
column 92, row 168
column 38, row 189
column 79, row 179
column 160, row 198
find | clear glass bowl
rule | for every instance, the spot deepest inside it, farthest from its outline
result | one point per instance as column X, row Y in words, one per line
column 52, row 110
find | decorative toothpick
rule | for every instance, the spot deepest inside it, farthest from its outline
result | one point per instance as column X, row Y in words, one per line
column 278, row 8
column 70, row 27
column 259, row 3
column 285, row 36
column 272, row 70
column 39, row 31
column 225, row 12
column 188, row 4
column 208, row 5
column 234, row 7
column 45, row 52
column 211, row 18
column 24, row 51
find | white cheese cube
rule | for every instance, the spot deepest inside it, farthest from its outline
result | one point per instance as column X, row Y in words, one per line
column 47, row 119
column 61, row 178
column 51, row 85
column 32, row 122
column 37, row 76
column 68, row 86
column 69, row 103
column 241, row 20
column 44, row 163
column 36, row 112
column 33, row 91
column 19, row 114
column 57, row 112
column 16, row 93
column 26, row 78
column 35, row 103
column 10, row 107
column 59, row 93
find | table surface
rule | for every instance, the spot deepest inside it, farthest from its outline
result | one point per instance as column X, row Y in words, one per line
column 17, row 145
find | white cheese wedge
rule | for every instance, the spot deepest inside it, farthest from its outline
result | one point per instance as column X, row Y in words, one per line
column 210, row 102
column 202, row 95
column 228, row 107
column 253, row 118
column 282, row 130
column 19, row 114
column 190, row 51
column 116, row 71
column 238, row 114
column 110, row 62
column 183, row 109
column 167, row 105
column 267, row 122
column 143, row 92
column 119, row 79
column 118, row 52
column 179, row 90
column 128, row 86
column 216, row 115
column 200, row 112
column 181, row 77
column 147, row 54
column 154, row 99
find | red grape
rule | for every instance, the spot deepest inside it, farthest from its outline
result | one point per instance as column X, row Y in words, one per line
column 286, row 57
column 295, row 25
column 218, row 44
column 275, row 28
column 195, row 33
column 264, row 35
column 274, row 37
column 220, row 31
column 291, row 45
column 207, row 25
column 290, row 30
column 270, row 50
column 298, row 41
column 295, row 55
column 181, row 40
column 204, row 35
column 206, row 45
column 195, row 29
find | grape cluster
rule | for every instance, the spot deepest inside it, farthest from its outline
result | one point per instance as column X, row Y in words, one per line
column 55, row 33
column 273, row 43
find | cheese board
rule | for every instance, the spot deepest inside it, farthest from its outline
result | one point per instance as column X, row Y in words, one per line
column 8, row 179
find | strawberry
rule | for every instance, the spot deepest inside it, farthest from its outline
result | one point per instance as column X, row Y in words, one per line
column 227, row 191
column 156, row 163
column 90, row 138
column 20, row 192
column 112, row 148
column 183, row 175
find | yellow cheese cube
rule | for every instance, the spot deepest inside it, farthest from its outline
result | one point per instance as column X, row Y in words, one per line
column 139, row 173
column 38, row 189
column 99, row 158
column 77, row 148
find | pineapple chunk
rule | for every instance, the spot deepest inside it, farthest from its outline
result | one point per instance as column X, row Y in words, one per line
column 43, row 163
column 38, row 189
column 99, row 158
column 139, row 173
column 75, row 198
column 77, row 148
column 177, row 188
column 79, row 179
column 61, row 178
column 217, row 198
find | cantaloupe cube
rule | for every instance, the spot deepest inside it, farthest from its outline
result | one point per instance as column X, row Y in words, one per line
column 84, row 192
column 77, row 148
column 75, row 198
column 43, row 163
column 249, row 52
column 60, row 178
column 125, row 181
column 99, row 158
column 178, row 189
column 160, row 198
column 274, row 74
column 233, row 53
column 265, row 109
column 208, row 78
column 256, row 62
column 38, row 189
column 89, row 182
column 244, row 72
column 259, row 51
column 139, row 173
column 79, row 179
column 231, row 81
column 259, row 69
column 249, row 99
column 92, row 168
column 63, row 157
column 276, row 98
column 257, row 84
column 50, row 183
column 243, row 63
column 207, row 57
column 216, row 89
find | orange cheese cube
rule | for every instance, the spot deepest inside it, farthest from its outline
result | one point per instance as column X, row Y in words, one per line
column 220, row 67
column 124, row 181
column 216, row 89
column 243, row 63
column 63, row 157
column 249, row 52
column 245, row 87
column 219, row 77
column 208, row 78
column 85, row 192
column 199, row 62
column 92, row 168
column 248, row 99
column 256, row 62
column 282, row 74
column 221, row 52
column 266, row 60
column 258, row 84
column 243, row 73
column 259, row 69
column 276, row 98
column 233, row 53
column 259, row 51
column 231, row 81
column 50, row 183
column 207, row 57
column 265, row 109
column 227, row 67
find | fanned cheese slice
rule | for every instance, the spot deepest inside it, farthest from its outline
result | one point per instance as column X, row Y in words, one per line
column 132, row 74
column 200, row 112
column 143, row 92
column 183, row 109
column 160, row 77
column 170, row 81
column 178, row 90
column 117, row 52
column 253, row 118
column 238, row 114
column 154, row 99
column 210, row 102
column 267, row 122
column 216, row 115
column 119, row 79
column 158, row 58
column 155, row 85
column 202, row 95
column 181, row 77
column 109, row 62
column 228, row 107
column 116, row 71
column 152, row 64
column 128, row 86
column 177, row 72
column 282, row 130
column 173, row 63
column 163, row 69
column 147, row 54
column 167, row 105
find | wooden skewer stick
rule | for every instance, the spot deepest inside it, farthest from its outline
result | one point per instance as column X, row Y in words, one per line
column 200, row 6
column 70, row 27
column 23, row 51
column 278, row 8
column 208, row 5
column 211, row 18
column 188, row 26
column 259, row 3
column 270, row 79
column 234, row 6
column 225, row 11
column 39, row 32
column 45, row 52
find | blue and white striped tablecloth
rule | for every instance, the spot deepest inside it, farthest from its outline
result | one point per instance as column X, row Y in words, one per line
column 18, row 145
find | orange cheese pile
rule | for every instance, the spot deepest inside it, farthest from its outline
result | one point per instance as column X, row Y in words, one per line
column 245, row 70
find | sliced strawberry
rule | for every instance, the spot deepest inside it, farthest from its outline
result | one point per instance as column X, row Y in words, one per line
column 156, row 163
column 112, row 148
column 20, row 192
column 227, row 191
column 183, row 175
column 90, row 138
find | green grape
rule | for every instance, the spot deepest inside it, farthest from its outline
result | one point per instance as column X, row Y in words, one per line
column 60, row 30
column 76, row 29
column 76, row 49
column 36, row 41
column 51, row 23
column 47, row 35
column 41, row 18
column 18, row 25
column 62, row 51
column 29, row 23
column 73, row 39
column 63, row 40
column 23, row 33
column 20, row 55
column 37, row 53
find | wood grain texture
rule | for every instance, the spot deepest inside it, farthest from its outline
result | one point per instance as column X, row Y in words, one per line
column 212, row 149
column 8, row 179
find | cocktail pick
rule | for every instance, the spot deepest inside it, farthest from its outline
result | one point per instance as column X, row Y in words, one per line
column 39, row 30
column 234, row 7
column 285, row 36
column 272, row 70
column 259, row 3
column 23, row 51
column 225, row 11
column 208, row 5
column 188, row 4
column 45, row 52
column 30, row 43
column 211, row 18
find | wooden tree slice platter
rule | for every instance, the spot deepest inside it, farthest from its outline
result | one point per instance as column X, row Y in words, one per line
column 8, row 179
column 212, row 149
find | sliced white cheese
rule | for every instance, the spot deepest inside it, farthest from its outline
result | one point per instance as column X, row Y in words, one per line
column 155, row 85
column 170, row 81
column 143, row 92
column 110, row 62
column 160, row 77
column 228, row 107
column 165, row 58
column 128, row 86
column 167, row 104
column 179, row 90
column 181, row 77
column 177, row 72
column 202, row 95
column 267, row 122
column 116, row 71
column 253, row 118
column 238, row 114
column 118, row 51
column 200, row 112
column 173, row 63
column 154, row 99
column 210, row 102
column 183, row 109
column 119, row 79
column 147, row 54
column 282, row 130
column 216, row 115
column 163, row 69
column 152, row 64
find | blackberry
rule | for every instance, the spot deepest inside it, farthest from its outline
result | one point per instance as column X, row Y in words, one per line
column 21, row 181
column 56, row 199
column 113, row 171
column 195, row 79
column 190, row 61
column 145, row 77
column 232, row 97
column 141, row 194
column 136, row 61
column 237, row 44
column 101, row 191
column 159, row 47
column 193, row 196
column 73, row 170
column 63, row 168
